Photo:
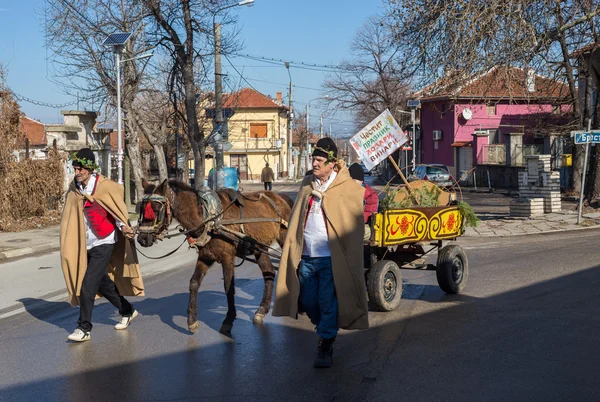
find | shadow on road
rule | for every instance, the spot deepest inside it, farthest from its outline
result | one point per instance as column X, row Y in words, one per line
column 538, row 342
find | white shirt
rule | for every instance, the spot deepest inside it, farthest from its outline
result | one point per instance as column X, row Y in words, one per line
column 316, row 239
column 91, row 239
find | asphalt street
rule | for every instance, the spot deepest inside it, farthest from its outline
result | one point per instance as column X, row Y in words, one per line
column 526, row 328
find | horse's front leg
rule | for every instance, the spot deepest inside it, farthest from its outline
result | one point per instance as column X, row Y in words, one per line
column 195, row 281
column 268, row 272
column 229, row 285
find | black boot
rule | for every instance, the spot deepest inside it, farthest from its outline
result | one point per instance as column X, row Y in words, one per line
column 324, row 353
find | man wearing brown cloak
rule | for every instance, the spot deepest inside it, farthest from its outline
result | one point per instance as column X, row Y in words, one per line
column 321, row 270
column 96, row 258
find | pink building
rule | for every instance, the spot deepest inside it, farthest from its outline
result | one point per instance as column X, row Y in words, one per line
column 484, row 119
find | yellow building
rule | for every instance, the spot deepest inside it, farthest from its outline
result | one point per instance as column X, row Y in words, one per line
column 257, row 131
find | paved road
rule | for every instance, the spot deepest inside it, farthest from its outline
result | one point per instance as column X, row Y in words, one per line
column 527, row 328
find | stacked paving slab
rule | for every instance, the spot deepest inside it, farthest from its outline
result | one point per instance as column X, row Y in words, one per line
column 539, row 188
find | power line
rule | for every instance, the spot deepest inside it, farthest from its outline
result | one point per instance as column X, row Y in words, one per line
column 305, row 65
column 240, row 74
column 40, row 103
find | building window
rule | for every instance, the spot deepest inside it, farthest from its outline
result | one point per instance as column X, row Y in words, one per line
column 258, row 130
column 490, row 110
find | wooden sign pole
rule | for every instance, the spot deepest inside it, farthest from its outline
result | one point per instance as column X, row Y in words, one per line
column 408, row 188
column 398, row 169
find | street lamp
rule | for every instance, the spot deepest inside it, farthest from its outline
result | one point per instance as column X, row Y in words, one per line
column 218, row 120
column 117, row 41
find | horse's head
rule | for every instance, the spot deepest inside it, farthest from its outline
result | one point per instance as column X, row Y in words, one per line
column 155, row 213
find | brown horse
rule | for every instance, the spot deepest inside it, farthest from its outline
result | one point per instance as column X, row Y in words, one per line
column 177, row 199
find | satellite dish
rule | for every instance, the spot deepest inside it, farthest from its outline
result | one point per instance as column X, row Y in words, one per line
column 467, row 114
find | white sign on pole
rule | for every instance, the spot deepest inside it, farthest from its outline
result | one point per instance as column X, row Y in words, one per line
column 378, row 140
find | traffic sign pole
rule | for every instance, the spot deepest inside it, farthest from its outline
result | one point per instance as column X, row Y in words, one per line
column 585, row 162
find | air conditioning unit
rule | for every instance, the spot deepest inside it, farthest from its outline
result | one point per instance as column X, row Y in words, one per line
column 437, row 135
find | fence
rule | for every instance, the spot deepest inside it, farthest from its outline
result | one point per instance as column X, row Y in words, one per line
column 494, row 154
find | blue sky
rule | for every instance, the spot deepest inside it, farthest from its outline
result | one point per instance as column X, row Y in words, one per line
column 315, row 31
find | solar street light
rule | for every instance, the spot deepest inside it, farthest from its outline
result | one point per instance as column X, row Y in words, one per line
column 117, row 41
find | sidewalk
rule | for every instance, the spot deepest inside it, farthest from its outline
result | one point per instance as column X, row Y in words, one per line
column 492, row 210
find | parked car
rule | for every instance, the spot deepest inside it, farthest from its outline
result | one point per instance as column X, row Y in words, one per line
column 435, row 173
column 364, row 168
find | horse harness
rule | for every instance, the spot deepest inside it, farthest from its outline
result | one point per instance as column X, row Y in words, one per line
column 213, row 225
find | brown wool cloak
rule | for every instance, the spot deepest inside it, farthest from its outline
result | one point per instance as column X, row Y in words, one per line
column 343, row 208
column 123, row 268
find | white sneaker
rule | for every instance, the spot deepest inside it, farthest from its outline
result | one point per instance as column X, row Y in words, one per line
column 125, row 321
column 80, row 336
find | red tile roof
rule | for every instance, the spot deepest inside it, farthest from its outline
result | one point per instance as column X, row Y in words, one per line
column 33, row 130
column 496, row 83
column 249, row 98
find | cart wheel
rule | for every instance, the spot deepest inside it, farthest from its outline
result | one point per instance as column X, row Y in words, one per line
column 452, row 269
column 384, row 285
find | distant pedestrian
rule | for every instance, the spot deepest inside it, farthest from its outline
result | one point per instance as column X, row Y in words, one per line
column 91, row 247
column 321, row 270
column 237, row 169
column 371, row 200
column 267, row 177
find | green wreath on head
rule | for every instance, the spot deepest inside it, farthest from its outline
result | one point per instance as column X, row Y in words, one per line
column 330, row 156
column 84, row 162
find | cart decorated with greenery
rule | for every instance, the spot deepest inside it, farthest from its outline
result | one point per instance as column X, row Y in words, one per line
column 402, row 237
column 415, row 219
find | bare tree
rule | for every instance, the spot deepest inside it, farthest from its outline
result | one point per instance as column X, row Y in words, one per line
column 75, row 30
column 184, row 29
column 462, row 38
column 374, row 79
column 10, row 131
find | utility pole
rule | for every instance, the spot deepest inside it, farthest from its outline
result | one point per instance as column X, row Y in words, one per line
column 290, row 123
column 307, row 154
column 218, row 122
column 321, row 128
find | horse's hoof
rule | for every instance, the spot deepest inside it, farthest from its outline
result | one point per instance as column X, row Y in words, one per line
column 226, row 329
column 194, row 327
column 258, row 318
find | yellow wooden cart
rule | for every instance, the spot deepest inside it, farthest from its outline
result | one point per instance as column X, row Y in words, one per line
column 401, row 238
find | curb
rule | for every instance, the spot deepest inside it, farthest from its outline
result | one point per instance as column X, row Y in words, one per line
column 27, row 251
column 535, row 233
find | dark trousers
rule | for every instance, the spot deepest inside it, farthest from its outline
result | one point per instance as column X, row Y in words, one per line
column 268, row 186
column 96, row 280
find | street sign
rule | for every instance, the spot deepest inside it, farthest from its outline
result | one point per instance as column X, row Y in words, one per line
column 414, row 103
column 585, row 137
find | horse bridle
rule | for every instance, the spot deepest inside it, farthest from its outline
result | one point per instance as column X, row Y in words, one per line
column 161, row 220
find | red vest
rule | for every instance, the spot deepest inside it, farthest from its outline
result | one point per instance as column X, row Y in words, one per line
column 102, row 223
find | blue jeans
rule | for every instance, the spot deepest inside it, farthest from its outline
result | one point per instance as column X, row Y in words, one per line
column 317, row 294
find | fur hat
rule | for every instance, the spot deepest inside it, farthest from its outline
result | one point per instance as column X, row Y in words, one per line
column 326, row 148
column 357, row 172
column 84, row 158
